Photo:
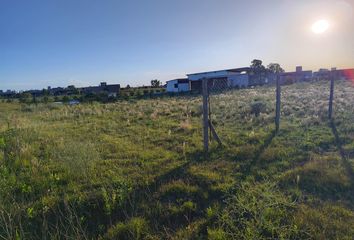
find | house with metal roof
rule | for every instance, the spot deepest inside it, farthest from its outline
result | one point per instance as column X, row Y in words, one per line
column 222, row 79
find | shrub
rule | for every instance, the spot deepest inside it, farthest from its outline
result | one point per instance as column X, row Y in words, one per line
column 136, row 228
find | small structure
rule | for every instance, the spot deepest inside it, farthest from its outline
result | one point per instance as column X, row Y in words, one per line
column 178, row 85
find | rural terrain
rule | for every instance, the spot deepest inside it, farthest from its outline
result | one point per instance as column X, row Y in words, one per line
column 135, row 169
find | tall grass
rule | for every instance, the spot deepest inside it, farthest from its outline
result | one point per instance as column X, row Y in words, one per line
column 135, row 169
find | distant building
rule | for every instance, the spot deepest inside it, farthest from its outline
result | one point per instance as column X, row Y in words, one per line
column 246, row 77
column 8, row 93
column 112, row 90
column 345, row 74
column 322, row 74
column 34, row 93
column 228, row 78
column 178, row 85
column 222, row 79
column 298, row 76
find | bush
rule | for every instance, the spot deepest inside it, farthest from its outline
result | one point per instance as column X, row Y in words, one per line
column 258, row 107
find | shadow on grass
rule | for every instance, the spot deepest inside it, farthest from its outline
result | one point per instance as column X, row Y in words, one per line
column 343, row 154
column 172, row 174
column 262, row 148
column 148, row 196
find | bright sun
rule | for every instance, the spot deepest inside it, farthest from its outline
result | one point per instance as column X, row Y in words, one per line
column 320, row 26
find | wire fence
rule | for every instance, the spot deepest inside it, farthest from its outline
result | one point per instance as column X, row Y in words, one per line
column 229, row 113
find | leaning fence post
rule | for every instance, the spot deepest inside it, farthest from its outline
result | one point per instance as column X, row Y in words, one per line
column 205, row 114
column 331, row 90
column 277, row 106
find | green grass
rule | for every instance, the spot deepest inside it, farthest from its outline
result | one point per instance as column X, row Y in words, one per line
column 135, row 169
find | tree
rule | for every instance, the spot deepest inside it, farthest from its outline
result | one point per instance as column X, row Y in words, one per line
column 155, row 83
column 257, row 66
column 72, row 89
column 259, row 72
column 275, row 68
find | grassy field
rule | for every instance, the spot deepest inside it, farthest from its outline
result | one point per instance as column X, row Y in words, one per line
column 135, row 169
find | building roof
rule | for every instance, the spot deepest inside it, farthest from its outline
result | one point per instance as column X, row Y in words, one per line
column 238, row 70
column 180, row 80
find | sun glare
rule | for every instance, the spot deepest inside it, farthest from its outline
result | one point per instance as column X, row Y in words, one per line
column 320, row 26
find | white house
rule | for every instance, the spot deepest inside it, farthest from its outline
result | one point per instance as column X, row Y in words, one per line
column 178, row 85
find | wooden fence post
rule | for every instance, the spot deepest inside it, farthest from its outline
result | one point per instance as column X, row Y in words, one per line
column 331, row 92
column 214, row 134
column 205, row 115
column 277, row 106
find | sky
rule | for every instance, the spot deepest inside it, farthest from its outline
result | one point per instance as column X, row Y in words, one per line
column 83, row 42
